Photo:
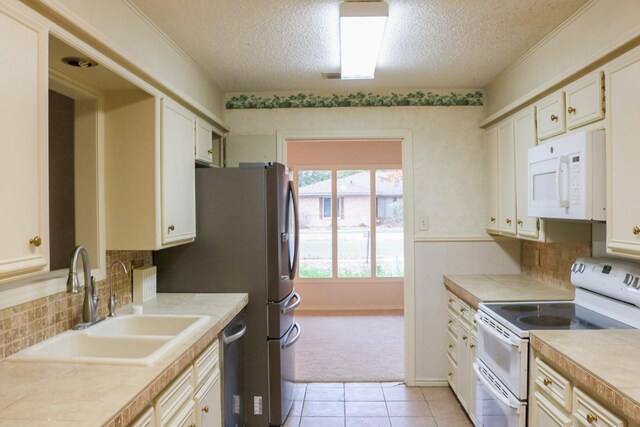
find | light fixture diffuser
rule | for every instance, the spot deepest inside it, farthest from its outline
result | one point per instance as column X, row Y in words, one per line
column 361, row 29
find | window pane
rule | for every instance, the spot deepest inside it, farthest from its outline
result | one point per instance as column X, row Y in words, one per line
column 354, row 223
column 314, row 189
column 389, row 224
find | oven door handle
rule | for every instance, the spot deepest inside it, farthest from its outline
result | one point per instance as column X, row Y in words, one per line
column 515, row 342
column 503, row 399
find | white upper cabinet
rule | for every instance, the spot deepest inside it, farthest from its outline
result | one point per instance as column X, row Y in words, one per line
column 525, row 138
column 551, row 117
column 150, row 172
column 506, row 177
column 178, row 173
column 209, row 144
column 491, row 158
column 585, row 100
column 623, row 152
column 24, row 245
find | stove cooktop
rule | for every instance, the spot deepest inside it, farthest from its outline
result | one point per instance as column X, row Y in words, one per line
column 553, row 315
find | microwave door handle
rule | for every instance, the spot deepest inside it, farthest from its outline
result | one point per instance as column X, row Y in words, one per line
column 503, row 399
column 560, row 173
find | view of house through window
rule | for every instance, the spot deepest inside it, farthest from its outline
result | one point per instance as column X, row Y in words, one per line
column 351, row 223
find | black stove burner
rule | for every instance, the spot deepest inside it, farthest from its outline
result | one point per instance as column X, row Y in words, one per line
column 546, row 321
column 521, row 308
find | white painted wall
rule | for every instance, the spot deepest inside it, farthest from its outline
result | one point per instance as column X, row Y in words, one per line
column 118, row 24
column 590, row 34
column 433, row 260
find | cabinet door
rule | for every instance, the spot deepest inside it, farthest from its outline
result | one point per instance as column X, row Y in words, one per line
column 147, row 419
column 587, row 412
column 546, row 414
column 491, row 153
column 23, row 163
column 451, row 374
column 178, row 174
column 550, row 115
column 623, row 152
column 525, row 138
column 506, row 177
column 204, row 142
column 585, row 99
column 463, row 374
column 208, row 403
column 471, row 403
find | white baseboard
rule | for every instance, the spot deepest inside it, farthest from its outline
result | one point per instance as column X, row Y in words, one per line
column 429, row 383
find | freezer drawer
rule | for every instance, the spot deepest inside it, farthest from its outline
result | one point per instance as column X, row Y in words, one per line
column 282, row 371
column 282, row 315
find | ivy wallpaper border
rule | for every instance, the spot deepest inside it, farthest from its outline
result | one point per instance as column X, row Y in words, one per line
column 358, row 99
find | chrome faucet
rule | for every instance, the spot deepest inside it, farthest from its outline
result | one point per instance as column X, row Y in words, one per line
column 90, row 305
column 113, row 301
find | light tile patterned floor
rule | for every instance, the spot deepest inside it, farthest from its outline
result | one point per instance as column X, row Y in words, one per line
column 375, row 405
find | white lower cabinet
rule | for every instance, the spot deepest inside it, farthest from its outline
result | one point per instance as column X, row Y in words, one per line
column 191, row 400
column 461, row 352
column 555, row 402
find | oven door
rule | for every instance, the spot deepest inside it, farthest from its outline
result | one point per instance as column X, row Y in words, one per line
column 505, row 353
column 496, row 406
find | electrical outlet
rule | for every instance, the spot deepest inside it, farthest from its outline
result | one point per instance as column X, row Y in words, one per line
column 423, row 223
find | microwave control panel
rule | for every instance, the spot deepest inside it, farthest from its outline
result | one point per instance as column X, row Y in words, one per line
column 575, row 179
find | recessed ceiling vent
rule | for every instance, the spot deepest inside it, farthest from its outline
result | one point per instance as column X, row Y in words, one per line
column 75, row 61
column 331, row 76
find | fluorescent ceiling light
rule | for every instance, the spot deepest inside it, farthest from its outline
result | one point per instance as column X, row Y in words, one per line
column 361, row 29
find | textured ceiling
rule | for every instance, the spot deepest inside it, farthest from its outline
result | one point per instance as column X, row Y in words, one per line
column 285, row 45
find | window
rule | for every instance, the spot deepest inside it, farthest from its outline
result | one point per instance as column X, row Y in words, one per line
column 365, row 240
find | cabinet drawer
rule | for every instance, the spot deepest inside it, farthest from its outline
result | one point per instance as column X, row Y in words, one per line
column 554, row 385
column 551, row 117
column 451, row 346
column 206, row 363
column 546, row 413
column 452, row 324
column 452, row 369
column 474, row 322
column 144, row 420
column 174, row 397
column 585, row 100
column 186, row 417
column 464, row 312
column 452, row 302
column 587, row 412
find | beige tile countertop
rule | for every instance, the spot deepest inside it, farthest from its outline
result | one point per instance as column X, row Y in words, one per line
column 601, row 362
column 65, row 394
column 475, row 289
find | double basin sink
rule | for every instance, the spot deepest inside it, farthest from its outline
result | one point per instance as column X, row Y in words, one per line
column 122, row 340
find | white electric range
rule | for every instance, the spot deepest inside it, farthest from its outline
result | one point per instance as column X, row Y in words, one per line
column 607, row 297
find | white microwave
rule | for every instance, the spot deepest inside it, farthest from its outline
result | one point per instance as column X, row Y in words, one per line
column 567, row 177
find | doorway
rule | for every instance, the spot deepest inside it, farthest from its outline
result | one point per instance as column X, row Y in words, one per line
column 351, row 269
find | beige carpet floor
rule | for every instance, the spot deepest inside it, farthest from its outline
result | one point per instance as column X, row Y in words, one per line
column 344, row 346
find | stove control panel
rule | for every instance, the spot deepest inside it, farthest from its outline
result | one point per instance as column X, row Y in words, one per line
column 613, row 278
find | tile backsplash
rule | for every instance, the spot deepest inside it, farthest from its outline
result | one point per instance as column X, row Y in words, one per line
column 555, row 261
column 26, row 324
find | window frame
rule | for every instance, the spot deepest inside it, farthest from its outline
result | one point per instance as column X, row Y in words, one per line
column 334, row 168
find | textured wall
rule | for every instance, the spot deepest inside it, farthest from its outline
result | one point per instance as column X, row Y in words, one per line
column 449, row 170
column 27, row 324
column 555, row 261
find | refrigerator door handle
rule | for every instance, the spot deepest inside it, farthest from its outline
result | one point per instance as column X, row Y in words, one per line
column 296, row 229
column 235, row 337
column 288, row 343
column 289, row 308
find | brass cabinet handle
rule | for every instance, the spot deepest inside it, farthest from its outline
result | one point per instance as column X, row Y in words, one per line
column 508, row 221
column 462, row 309
column 554, row 118
column 172, row 227
column 450, row 345
column 450, row 321
column 36, row 241
column 493, row 219
column 206, row 409
column 210, row 151
column 472, row 346
column 592, row 418
column 475, row 322
column 192, row 425
column 450, row 300
column 571, row 110
column 520, row 222
column 547, row 382
column 449, row 374
column 464, row 338
column 636, row 231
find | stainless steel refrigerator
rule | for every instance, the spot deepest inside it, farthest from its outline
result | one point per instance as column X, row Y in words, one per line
column 247, row 241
